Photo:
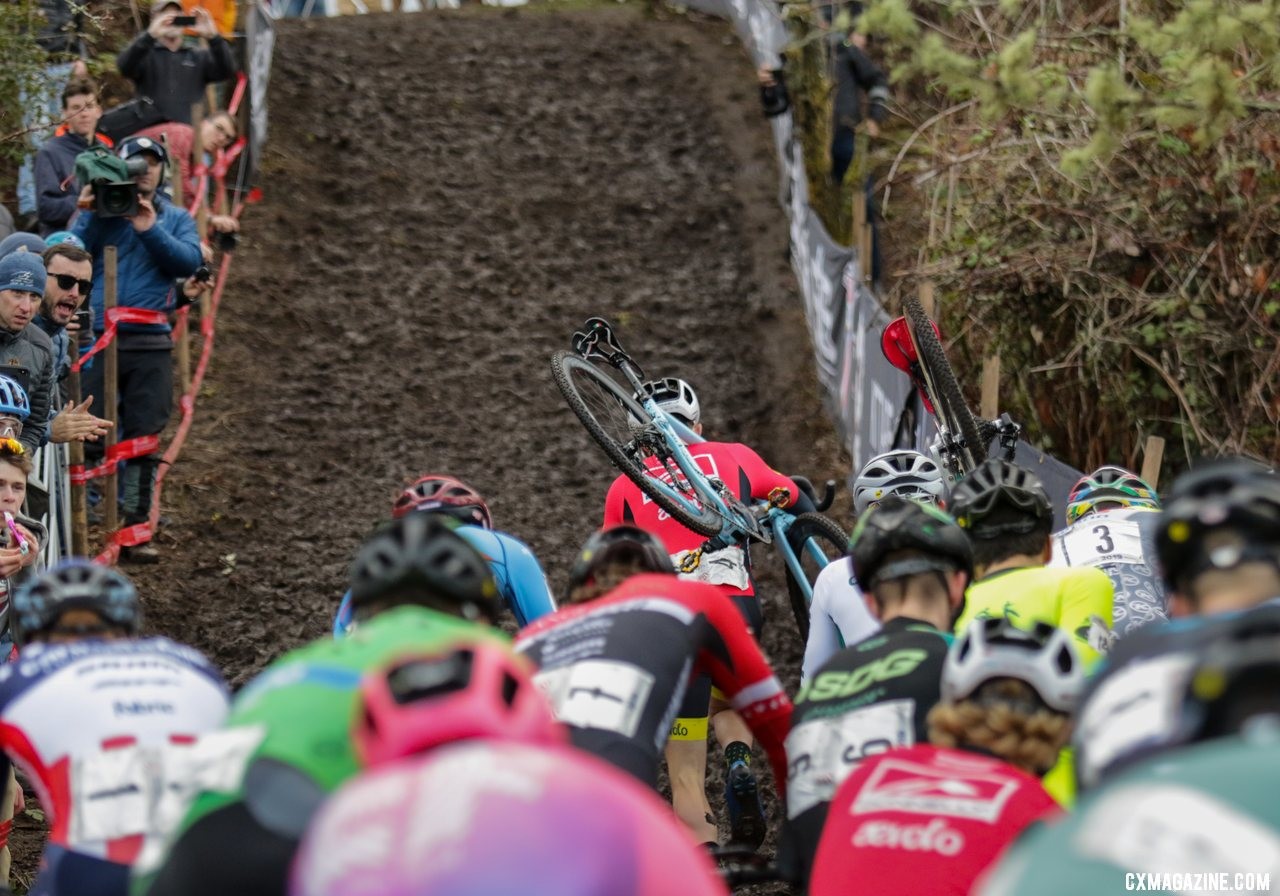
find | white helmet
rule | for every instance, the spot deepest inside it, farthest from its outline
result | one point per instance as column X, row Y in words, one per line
column 908, row 474
column 674, row 396
column 1042, row 657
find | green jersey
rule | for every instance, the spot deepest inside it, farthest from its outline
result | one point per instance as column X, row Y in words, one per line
column 1198, row 820
column 287, row 742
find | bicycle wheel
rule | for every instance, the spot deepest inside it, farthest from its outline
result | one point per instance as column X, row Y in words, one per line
column 815, row 541
column 611, row 416
column 944, row 390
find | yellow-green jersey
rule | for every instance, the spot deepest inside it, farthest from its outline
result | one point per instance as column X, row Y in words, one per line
column 1077, row 600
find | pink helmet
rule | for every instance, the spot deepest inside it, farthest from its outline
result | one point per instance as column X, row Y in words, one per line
column 444, row 494
column 473, row 690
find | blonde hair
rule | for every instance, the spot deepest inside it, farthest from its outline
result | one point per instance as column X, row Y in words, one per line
column 605, row 580
column 1030, row 741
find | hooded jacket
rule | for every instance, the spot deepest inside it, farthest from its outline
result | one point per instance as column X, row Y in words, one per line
column 175, row 79
column 147, row 262
column 31, row 350
column 56, row 187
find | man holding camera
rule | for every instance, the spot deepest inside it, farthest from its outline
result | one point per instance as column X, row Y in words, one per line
column 157, row 244
column 167, row 70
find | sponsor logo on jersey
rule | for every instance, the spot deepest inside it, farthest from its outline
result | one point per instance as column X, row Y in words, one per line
column 900, row 786
column 142, row 708
column 836, row 685
column 932, row 837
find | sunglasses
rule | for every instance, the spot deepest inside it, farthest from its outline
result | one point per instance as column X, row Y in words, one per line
column 66, row 281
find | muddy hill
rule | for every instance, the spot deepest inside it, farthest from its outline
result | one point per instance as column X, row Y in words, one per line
column 448, row 195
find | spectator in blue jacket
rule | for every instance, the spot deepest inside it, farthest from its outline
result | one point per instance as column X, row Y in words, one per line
column 155, row 246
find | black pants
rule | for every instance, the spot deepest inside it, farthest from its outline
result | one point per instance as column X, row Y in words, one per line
column 145, row 403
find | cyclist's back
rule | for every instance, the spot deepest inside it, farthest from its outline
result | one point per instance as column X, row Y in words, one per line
column 924, row 820
column 616, row 667
column 1112, row 520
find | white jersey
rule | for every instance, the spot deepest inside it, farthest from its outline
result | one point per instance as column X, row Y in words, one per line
column 1121, row 543
column 107, row 732
column 838, row 616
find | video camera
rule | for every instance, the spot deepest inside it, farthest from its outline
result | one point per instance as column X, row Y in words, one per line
column 115, row 195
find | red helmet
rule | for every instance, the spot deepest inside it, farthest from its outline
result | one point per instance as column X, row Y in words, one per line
column 444, row 494
column 473, row 690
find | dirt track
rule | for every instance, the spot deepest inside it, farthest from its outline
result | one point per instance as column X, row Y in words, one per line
column 448, row 195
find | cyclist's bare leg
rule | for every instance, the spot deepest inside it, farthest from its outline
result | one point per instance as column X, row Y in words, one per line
column 728, row 725
column 687, row 766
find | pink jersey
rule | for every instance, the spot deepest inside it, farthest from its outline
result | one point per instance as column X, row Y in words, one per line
column 107, row 731
column 484, row 817
column 741, row 470
column 923, row 819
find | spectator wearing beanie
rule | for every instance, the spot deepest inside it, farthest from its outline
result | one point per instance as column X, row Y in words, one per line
column 26, row 354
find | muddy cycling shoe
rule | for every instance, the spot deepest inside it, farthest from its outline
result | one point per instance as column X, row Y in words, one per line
column 140, row 553
column 747, row 824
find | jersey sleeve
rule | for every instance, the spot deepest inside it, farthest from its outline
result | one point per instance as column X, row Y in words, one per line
column 740, row 670
column 763, row 478
column 824, row 635
column 615, row 503
column 1085, row 605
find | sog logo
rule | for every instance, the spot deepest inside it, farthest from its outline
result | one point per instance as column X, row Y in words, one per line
column 835, row 685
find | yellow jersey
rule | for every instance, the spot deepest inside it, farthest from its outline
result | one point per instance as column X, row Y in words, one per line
column 1076, row 599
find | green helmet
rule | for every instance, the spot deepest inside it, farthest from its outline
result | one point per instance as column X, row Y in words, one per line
column 898, row 525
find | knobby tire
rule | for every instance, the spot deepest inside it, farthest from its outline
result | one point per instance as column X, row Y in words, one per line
column 944, row 390
column 835, row 544
column 602, row 405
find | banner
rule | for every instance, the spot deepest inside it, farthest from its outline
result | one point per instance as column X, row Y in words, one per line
column 260, row 42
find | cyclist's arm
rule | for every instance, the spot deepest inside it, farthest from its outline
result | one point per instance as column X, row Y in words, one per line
column 530, row 595
column 1084, row 594
column 615, row 503
column 764, row 479
column 740, row 671
column 824, row 635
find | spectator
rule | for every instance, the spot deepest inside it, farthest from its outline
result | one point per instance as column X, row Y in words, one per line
column 16, row 565
column 6, row 224
column 56, row 189
column 70, row 272
column 217, row 132
column 22, row 241
column 27, row 353
column 170, row 72
column 156, row 245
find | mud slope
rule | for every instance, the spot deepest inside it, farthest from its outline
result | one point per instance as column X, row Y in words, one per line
column 448, row 195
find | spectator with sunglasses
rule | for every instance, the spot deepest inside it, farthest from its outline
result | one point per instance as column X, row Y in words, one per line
column 70, row 280
column 26, row 354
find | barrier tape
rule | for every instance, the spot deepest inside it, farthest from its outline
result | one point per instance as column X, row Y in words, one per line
column 127, row 450
column 141, row 533
column 114, row 317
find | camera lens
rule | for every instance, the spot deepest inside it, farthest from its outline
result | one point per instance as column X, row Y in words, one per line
column 115, row 200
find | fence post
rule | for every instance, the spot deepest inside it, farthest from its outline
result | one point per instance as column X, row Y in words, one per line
column 990, row 406
column 1152, row 457
column 110, row 488
column 79, row 506
column 927, row 300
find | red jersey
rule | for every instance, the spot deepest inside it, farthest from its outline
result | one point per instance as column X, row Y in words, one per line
column 616, row 668
column 741, row 470
column 923, row 819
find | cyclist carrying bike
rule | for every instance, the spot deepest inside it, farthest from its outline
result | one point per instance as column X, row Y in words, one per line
column 875, row 695
column 838, row 615
column 99, row 718
column 1219, row 550
column 930, row 819
column 463, row 753
column 516, row 571
column 1203, row 800
column 415, row 585
column 1112, row 518
column 617, row 658
column 750, row 479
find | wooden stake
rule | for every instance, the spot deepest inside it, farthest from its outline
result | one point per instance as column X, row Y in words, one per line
column 990, row 407
column 79, row 504
column 110, row 373
column 1152, row 457
column 927, row 299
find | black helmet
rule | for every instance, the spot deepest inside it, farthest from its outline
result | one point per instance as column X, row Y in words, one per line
column 1001, row 498
column 899, row 524
column 74, row 584
column 619, row 544
column 1236, row 678
column 421, row 553
column 1218, row 516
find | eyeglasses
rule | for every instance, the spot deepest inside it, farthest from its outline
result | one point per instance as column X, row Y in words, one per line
column 66, row 281
column 224, row 131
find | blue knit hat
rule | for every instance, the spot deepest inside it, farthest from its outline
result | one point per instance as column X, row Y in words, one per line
column 23, row 271
column 63, row 236
column 15, row 241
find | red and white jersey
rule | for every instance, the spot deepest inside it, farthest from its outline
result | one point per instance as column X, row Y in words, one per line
column 106, row 730
column 923, row 819
column 740, row 469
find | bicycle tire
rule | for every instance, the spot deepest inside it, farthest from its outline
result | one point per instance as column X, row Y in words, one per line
column 944, row 389
column 834, row 545
column 605, row 408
